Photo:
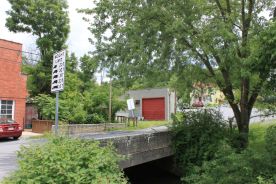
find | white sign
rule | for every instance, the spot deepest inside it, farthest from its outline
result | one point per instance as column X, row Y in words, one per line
column 58, row 71
column 130, row 104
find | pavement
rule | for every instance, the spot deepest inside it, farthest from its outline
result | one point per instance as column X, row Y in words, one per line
column 227, row 113
column 8, row 150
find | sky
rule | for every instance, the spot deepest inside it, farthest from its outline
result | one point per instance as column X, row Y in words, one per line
column 78, row 37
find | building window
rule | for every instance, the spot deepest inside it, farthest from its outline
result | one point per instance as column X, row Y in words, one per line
column 6, row 109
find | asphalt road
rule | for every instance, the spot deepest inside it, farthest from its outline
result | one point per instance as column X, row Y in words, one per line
column 8, row 149
column 227, row 112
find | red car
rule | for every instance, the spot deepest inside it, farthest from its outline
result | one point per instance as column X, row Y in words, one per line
column 10, row 128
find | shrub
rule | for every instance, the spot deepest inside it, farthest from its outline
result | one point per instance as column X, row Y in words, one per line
column 196, row 137
column 64, row 160
column 270, row 142
column 250, row 166
column 229, row 167
column 95, row 118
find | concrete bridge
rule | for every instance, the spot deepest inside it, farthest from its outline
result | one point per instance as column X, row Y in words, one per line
column 139, row 146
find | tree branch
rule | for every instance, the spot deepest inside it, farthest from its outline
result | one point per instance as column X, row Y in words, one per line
column 221, row 9
column 228, row 7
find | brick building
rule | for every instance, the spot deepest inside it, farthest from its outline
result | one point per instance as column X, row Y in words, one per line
column 13, row 90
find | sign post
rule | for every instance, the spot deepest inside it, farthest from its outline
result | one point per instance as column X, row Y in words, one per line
column 57, row 84
column 131, row 106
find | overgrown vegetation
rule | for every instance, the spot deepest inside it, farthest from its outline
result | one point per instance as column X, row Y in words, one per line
column 64, row 160
column 206, row 153
column 196, row 137
column 249, row 166
column 90, row 106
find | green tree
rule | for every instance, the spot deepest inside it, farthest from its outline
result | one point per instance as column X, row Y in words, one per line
column 72, row 63
column 223, row 37
column 97, row 103
column 49, row 22
column 88, row 67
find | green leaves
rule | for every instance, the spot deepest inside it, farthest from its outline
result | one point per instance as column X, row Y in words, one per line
column 230, row 167
column 63, row 160
column 229, row 41
column 49, row 22
column 196, row 137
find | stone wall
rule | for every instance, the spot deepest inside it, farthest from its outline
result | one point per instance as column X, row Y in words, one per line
column 72, row 129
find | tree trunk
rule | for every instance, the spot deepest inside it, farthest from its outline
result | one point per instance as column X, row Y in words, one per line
column 242, row 116
column 244, row 128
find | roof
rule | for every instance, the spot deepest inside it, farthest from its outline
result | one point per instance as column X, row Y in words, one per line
column 143, row 89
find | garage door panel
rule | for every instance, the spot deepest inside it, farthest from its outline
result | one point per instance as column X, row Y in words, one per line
column 153, row 108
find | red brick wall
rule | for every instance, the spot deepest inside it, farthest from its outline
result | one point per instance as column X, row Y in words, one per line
column 12, row 82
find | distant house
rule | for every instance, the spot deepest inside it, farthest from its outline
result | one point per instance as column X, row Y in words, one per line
column 207, row 94
column 13, row 90
column 152, row 104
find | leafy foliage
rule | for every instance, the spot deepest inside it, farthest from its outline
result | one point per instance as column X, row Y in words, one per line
column 49, row 22
column 229, row 167
column 196, row 137
column 97, row 101
column 270, row 142
column 64, row 160
column 224, row 39
column 90, row 106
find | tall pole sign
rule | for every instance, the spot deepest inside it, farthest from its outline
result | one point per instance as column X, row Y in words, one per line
column 57, row 85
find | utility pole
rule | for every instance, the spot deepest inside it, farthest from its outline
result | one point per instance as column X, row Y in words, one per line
column 110, row 101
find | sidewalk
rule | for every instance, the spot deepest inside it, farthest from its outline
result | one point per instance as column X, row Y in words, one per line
column 29, row 133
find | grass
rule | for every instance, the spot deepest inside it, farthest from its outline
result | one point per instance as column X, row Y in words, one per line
column 257, row 134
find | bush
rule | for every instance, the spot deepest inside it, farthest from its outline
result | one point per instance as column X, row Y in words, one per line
column 196, row 137
column 64, row 160
column 270, row 142
column 229, row 167
column 95, row 118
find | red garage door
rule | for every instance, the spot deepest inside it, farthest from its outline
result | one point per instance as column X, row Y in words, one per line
column 153, row 108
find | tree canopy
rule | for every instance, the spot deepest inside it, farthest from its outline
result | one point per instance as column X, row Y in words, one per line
column 226, row 38
column 49, row 22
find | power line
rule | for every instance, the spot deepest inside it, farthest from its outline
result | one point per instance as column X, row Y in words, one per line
column 20, row 51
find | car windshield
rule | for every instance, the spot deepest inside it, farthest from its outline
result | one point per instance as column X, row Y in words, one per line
column 6, row 121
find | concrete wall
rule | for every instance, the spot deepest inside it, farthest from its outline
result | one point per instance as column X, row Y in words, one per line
column 169, row 96
column 137, row 146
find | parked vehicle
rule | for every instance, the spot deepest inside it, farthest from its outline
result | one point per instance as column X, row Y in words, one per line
column 10, row 128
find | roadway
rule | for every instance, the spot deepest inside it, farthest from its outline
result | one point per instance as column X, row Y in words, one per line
column 8, row 150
